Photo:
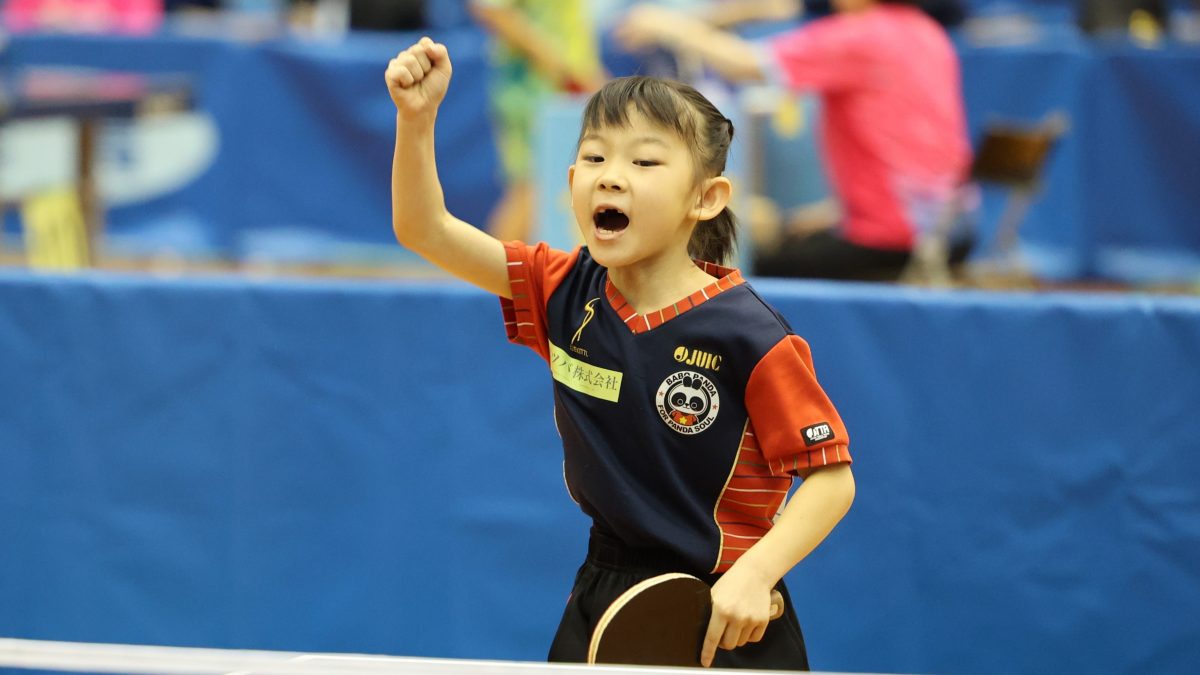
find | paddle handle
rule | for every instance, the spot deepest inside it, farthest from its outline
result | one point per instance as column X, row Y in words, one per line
column 776, row 604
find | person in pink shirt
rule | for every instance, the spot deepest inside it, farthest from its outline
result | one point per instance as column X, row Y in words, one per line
column 83, row 16
column 893, row 126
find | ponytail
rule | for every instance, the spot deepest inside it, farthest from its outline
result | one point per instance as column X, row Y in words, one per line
column 715, row 240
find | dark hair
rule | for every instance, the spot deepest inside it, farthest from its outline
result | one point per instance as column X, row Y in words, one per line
column 676, row 106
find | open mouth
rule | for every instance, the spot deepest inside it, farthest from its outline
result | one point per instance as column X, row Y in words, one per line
column 610, row 220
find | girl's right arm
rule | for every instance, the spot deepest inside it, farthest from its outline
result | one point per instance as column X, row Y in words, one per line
column 417, row 80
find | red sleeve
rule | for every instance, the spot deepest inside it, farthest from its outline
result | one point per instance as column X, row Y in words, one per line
column 796, row 425
column 533, row 274
column 822, row 55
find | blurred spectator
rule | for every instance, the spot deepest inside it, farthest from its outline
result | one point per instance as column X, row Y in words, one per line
column 949, row 13
column 172, row 6
column 387, row 15
column 720, row 13
column 731, row 13
column 1144, row 19
column 727, row 14
column 893, row 125
column 83, row 16
column 540, row 47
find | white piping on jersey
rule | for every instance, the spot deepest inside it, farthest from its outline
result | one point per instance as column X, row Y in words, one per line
column 745, row 536
column 721, row 497
column 734, row 501
column 754, row 490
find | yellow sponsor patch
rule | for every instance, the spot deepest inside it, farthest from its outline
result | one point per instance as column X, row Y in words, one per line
column 584, row 377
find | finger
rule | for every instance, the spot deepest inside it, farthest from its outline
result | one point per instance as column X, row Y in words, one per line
column 440, row 57
column 422, row 57
column 716, row 629
column 408, row 71
column 747, row 633
column 405, row 60
column 398, row 75
column 758, row 633
column 776, row 604
column 409, row 62
column 730, row 639
column 428, row 47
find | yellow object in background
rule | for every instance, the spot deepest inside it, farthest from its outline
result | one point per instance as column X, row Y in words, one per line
column 56, row 235
column 789, row 121
column 1144, row 28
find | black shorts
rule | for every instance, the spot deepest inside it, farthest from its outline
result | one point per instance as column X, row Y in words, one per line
column 611, row 569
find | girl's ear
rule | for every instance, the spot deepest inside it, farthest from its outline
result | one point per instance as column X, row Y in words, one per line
column 570, row 176
column 714, row 197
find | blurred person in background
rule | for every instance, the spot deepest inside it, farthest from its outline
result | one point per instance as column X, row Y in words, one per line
column 387, row 15
column 83, row 16
column 188, row 5
column 949, row 13
column 735, row 15
column 893, row 126
column 540, row 48
column 732, row 13
column 1144, row 20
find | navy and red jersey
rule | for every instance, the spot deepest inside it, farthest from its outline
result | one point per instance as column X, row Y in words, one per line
column 682, row 429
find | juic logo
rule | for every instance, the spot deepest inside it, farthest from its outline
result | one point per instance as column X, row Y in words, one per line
column 817, row 433
column 589, row 313
column 697, row 358
column 688, row 402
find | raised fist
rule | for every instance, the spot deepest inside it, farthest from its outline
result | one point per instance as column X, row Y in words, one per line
column 418, row 77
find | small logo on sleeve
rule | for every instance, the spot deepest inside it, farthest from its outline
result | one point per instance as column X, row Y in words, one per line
column 817, row 433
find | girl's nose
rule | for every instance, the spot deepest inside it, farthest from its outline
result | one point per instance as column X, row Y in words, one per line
column 612, row 183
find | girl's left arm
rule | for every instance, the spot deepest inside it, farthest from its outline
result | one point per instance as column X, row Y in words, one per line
column 741, row 597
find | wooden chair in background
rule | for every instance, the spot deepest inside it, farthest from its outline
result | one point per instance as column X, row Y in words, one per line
column 1010, row 156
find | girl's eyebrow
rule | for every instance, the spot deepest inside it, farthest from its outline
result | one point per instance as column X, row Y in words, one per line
column 593, row 136
column 650, row 139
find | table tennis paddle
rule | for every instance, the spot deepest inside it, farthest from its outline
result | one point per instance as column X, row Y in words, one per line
column 658, row 622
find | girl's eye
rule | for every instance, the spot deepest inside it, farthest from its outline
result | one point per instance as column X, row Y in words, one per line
column 594, row 159
column 646, row 162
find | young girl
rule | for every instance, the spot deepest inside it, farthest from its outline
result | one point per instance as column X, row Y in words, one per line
column 686, row 405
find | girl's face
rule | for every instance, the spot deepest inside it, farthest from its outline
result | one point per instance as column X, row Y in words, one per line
column 634, row 193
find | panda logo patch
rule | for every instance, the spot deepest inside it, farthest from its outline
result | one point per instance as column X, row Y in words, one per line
column 688, row 402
